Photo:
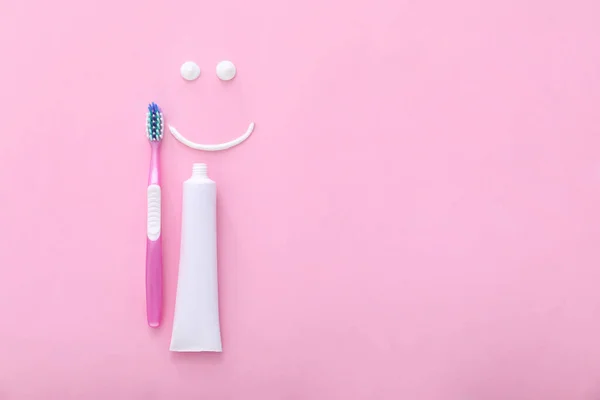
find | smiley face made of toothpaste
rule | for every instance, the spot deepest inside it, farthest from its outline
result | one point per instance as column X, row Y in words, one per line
column 225, row 71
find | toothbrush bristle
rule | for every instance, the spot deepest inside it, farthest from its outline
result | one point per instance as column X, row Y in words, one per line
column 154, row 123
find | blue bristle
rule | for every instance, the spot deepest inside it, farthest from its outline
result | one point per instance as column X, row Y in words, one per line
column 154, row 122
column 153, row 108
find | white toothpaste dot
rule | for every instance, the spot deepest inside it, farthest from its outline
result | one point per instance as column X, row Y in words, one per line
column 190, row 71
column 226, row 70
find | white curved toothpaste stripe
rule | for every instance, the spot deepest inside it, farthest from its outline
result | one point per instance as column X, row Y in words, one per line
column 212, row 147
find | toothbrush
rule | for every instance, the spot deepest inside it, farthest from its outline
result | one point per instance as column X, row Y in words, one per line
column 154, row 132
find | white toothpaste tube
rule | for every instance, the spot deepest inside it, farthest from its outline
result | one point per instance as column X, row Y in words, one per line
column 196, row 324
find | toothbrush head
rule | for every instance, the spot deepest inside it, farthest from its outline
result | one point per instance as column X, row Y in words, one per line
column 154, row 123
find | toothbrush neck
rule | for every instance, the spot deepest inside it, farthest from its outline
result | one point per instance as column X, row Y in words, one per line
column 153, row 177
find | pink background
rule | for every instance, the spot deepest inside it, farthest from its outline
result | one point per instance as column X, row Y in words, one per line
column 417, row 215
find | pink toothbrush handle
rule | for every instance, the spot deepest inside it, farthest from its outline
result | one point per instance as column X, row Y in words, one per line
column 154, row 281
column 154, row 268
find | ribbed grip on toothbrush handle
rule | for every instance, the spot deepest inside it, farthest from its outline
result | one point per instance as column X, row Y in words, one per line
column 154, row 285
